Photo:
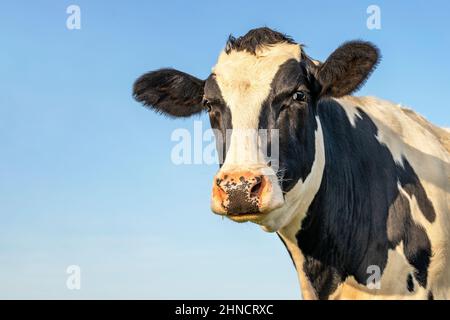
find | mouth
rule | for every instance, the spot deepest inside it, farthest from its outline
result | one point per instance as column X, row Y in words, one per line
column 247, row 217
column 258, row 217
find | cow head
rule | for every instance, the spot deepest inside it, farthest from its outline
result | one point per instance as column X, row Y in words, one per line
column 262, row 80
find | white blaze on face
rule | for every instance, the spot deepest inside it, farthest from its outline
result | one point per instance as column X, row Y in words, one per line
column 245, row 83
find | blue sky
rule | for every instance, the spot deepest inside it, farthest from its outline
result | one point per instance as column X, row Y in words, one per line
column 85, row 172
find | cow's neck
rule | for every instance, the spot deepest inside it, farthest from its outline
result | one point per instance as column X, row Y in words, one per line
column 303, row 240
column 325, row 237
column 299, row 200
column 360, row 210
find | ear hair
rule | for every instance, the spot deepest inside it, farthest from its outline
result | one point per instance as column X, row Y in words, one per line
column 170, row 92
column 310, row 61
column 347, row 68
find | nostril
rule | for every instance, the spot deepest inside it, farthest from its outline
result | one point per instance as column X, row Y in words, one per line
column 254, row 192
column 219, row 183
column 219, row 186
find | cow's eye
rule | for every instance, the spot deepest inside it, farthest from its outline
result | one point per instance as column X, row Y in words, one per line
column 207, row 105
column 299, row 96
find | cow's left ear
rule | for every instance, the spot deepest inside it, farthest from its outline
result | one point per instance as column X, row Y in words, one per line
column 347, row 68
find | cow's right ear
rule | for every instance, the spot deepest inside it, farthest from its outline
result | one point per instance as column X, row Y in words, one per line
column 170, row 92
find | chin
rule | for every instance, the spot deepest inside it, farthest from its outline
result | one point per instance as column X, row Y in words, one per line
column 276, row 219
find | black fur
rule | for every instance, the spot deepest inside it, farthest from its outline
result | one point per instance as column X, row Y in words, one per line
column 170, row 92
column 347, row 68
column 416, row 245
column 219, row 116
column 413, row 187
column 324, row 278
column 255, row 39
column 410, row 283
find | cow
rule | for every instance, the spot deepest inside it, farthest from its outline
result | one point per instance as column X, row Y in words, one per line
column 359, row 196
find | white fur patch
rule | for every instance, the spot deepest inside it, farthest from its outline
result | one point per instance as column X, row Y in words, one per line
column 350, row 109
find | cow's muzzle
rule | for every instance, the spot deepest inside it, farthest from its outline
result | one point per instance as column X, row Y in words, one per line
column 244, row 193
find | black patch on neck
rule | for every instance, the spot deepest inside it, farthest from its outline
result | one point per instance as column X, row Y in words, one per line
column 358, row 214
column 410, row 283
column 416, row 245
column 430, row 295
column 411, row 184
column 324, row 279
column 255, row 39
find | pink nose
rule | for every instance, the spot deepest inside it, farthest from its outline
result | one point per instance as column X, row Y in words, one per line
column 240, row 192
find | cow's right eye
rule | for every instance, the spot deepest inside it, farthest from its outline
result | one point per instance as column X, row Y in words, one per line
column 207, row 105
column 299, row 96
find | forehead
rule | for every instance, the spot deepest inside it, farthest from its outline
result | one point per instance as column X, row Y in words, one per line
column 244, row 79
column 242, row 71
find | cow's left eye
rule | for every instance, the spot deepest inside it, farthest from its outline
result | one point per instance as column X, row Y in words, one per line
column 299, row 96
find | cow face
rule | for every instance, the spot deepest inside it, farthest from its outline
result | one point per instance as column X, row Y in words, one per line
column 262, row 81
